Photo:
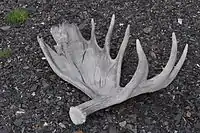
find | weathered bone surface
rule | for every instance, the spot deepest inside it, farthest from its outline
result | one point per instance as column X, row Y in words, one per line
column 91, row 69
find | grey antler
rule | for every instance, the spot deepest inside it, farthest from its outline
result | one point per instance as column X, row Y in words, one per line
column 91, row 69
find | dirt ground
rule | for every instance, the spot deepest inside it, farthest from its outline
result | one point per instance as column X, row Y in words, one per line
column 33, row 99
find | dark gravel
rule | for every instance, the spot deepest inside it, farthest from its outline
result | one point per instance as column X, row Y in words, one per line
column 33, row 99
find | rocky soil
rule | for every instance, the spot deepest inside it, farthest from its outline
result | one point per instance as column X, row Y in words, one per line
column 33, row 99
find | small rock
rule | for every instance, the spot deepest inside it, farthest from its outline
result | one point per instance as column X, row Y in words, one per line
column 122, row 124
column 154, row 122
column 188, row 114
column 187, row 107
column 23, row 129
column 45, row 84
column 60, row 103
column 121, row 24
column 27, row 47
column 180, row 21
column 143, row 131
column 178, row 117
column 45, row 124
column 38, row 70
column 5, row 28
column 166, row 123
column 43, row 58
column 132, row 128
column 46, row 100
column 18, row 122
column 153, row 55
column 26, row 67
column 13, row 107
column 148, row 29
column 62, row 125
column 33, row 88
column 178, row 3
column 33, row 94
column 20, row 112
column 53, row 77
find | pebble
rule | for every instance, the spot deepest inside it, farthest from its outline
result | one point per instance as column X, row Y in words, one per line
column 20, row 112
column 33, row 94
column 45, row 84
column 5, row 28
column 33, row 88
column 60, row 103
column 47, row 101
column 180, row 21
column 178, row 118
column 153, row 55
column 166, row 123
column 45, row 124
column 148, row 29
column 43, row 58
column 121, row 24
column 26, row 67
column 122, row 124
column 62, row 125
column 38, row 70
column 188, row 114
column 18, row 122
column 132, row 128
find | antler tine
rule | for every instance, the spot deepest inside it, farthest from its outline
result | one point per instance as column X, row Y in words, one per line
column 93, row 37
column 93, row 29
column 159, row 79
column 141, row 71
column 176, row 68
column 146, row 62
column 108, row 36
column 121, row 53
column 156, row 82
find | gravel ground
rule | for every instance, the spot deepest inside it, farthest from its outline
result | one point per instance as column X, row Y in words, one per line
column 33, row 99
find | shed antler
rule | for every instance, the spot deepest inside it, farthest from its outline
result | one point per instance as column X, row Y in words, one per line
column 91, row 69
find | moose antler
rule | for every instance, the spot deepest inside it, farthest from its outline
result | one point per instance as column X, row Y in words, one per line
column 91, row 69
